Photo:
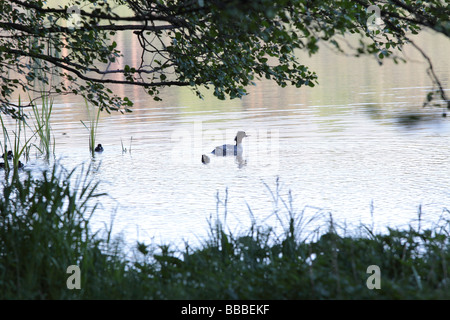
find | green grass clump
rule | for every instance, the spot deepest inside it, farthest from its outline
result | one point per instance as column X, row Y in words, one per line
column 20, row 144
column 44, row 228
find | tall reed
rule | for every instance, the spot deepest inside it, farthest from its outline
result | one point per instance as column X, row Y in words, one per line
column 43, row 128
column 92, row 126
column 124, row 149
column 4, row 145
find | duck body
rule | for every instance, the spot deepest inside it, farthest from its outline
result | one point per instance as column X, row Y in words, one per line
column 98, row 148
column 230, row 149
column 20, row 165
column 227, row 150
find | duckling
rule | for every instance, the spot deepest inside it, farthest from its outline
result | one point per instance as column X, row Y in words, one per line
column 229, row 149
column 9, row 155
column 98, row 148
column 205, row 159
column 20, row 165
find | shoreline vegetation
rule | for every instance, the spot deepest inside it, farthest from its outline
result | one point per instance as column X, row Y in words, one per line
column 44, row 229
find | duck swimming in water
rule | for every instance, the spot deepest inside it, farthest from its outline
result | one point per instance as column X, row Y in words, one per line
column 98, row 148
column 205, row 159
column 230, row 149
column 9, row 155
column 20, row 165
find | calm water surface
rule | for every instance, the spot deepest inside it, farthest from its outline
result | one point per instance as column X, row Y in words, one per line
column 346, row 147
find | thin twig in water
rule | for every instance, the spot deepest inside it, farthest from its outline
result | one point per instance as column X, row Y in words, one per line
column 432, row 74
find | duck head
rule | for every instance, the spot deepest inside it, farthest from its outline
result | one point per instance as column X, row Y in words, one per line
column 239, row 136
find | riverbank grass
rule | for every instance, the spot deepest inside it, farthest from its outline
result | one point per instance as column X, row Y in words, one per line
column 45, row 229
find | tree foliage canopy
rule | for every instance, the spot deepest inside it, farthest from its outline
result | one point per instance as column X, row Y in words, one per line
column 219, row 44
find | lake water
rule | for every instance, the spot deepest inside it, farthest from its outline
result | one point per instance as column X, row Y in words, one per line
column 347, row 147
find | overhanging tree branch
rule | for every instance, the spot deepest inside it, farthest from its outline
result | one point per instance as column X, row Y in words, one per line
column 223, row 44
